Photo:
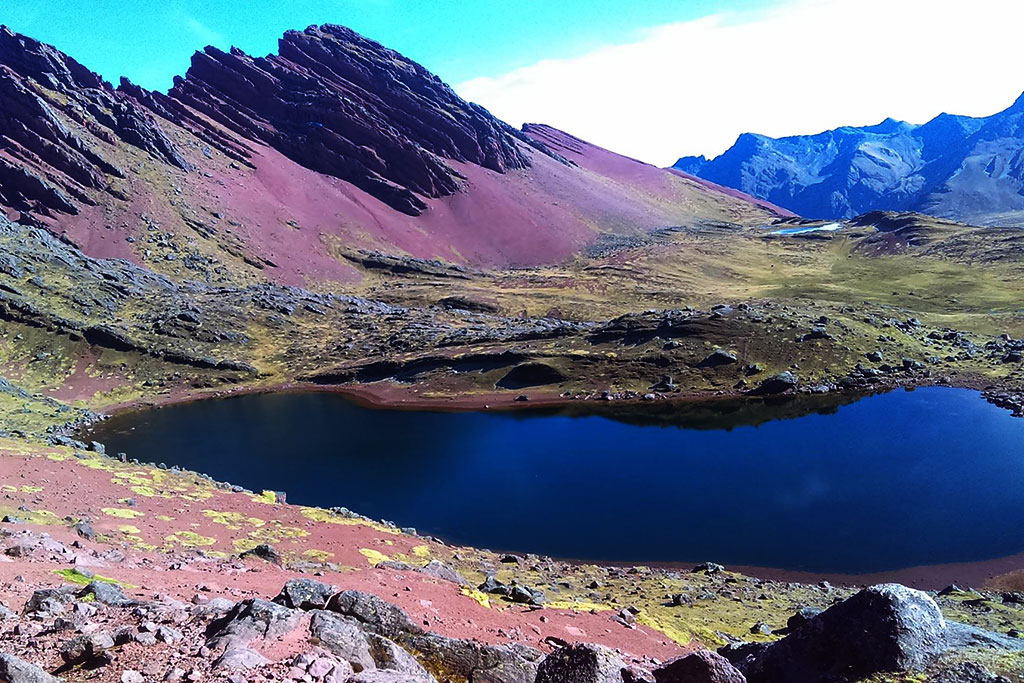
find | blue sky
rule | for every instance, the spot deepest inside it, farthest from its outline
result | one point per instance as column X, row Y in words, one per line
column 653, row 79
column 151, row 41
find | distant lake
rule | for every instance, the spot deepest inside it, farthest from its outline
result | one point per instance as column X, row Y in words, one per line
column 825, row 484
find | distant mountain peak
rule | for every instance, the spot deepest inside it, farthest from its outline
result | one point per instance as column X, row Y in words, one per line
column 952, row 166
column 1018, row 104
column 888, row 126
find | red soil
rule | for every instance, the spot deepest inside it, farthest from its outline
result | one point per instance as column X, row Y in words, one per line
column 71, row 489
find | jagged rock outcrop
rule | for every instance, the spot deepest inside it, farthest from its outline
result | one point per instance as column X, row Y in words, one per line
column 886, row 628
column 346, row 106
column 49, row 161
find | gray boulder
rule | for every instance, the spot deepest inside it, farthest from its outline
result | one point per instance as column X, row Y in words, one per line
column 469, row 660
column 106, row 593
column 885, row 628
column 14, row 670
column 439, row 570
column 250, row 620
column 700, row 666
column 582, row 663
column 240, row 658
column 305, row 594
column 376, row 615
column 87, row 649
column 967, row 672
column 383, row 676
column 50, row 602
column 777, row 384
column 387, row 654
column 343, row 637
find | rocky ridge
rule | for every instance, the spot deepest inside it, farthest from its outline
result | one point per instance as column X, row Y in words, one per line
column 953, row 166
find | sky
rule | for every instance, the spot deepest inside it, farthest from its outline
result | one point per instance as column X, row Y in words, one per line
column 653, row 79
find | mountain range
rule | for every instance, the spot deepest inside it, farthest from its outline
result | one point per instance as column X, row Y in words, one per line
column 960, row 167
column 281, row 166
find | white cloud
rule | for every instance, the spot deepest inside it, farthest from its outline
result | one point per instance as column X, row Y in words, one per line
column 802, row 67
column 203, row 32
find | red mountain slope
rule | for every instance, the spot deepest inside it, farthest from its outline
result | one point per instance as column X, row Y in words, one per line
column 281, row 164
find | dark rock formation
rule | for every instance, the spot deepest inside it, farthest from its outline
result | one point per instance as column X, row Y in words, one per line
column 701, row 666
column 531, row 375
column 776, row 384
column 953, row 166
column 305, row 594
column 885, row 628
column 346, row 106
column 16, row 670
column 49, row 161
column 582, row 663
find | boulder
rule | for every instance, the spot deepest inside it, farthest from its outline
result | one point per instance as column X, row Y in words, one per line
column 376, row 615
column 305, row 594
column 14, row 670
column 967, row 672
column 777, row 384
column 701, row 666
column 582, row 663
column 383, row 676
column 250, row 620
column 50, row 602
column 439, row 570
column 240, row 658
column 387, row 654
column 467, row 660
column 531, row 375
column 801, row 617
column 717, row 358
column 88, row 648
column 106, row 593
column 885, row 628
column 343, row 637
column 264, row 552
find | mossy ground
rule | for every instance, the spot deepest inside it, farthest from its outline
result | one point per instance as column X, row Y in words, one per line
column 787, row 285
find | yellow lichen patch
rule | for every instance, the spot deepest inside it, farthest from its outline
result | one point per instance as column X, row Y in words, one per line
column 129, row 529
column 165, row 518
column 580, row 606
column 375, row 557
column 276, row 533
column 74, row 576
column 267, row 497
column 233, row 520
column 139, row 543
column 189, row 539
column 317, row 555
column 31, row 489
column 9, row 489
column 321, row 515
column 41, row 517
column 678, row 634
column 99, row 464
column 123, row 513
column 145, row 491
column 479, row 596
column 56, row 457
column 421, row 551
column 242, row 544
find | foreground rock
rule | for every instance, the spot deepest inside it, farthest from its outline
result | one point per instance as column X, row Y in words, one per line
column 14, row 670
column 883, row 629
column 701, row 666
column 582, row 663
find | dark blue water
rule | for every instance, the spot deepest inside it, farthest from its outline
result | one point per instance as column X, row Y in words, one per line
column 889, row 481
